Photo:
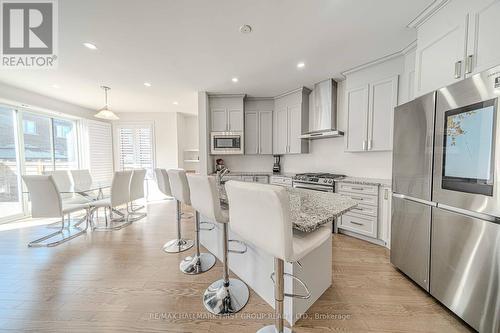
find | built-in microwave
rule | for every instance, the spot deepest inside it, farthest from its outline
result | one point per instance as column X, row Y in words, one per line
column 226, row 143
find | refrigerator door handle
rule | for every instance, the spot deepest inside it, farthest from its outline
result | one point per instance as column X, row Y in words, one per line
column 422, row 201
column 468, row 213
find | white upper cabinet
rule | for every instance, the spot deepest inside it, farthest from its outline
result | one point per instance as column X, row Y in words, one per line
column 357, row 118
column 483, row 43
column 370, row 110
column 259, row 127
column 226, row 112
column 383, row 100
column 291, row 120
column 457, row 41
column 266, row 132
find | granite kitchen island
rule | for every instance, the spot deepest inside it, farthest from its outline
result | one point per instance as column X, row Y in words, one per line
column 309, row 210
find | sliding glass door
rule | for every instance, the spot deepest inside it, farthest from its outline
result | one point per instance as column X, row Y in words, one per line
column 30, row 144
column 11, row 200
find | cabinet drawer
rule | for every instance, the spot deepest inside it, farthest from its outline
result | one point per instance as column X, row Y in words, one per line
column 365, row 210
column 283, row 181
column 356, row 188
column 362, row 225
column 370, row 200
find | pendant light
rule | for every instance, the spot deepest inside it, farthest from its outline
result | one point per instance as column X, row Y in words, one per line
column 105, row 112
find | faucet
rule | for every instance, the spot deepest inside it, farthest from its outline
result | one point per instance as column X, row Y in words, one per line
column 221, row 174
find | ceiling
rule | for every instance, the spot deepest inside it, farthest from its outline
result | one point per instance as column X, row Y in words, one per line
column 182, row 47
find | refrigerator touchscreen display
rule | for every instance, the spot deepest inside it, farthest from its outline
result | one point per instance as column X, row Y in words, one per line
column 468, row 148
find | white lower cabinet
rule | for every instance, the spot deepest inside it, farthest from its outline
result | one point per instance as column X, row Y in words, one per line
column 370, row 219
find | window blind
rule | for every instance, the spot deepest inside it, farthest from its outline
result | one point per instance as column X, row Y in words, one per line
column 135, row 147
column 100, row 148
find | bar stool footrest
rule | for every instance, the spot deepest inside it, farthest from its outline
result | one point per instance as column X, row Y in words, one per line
column 210, row 228
column 245, row 247
column 302, row 283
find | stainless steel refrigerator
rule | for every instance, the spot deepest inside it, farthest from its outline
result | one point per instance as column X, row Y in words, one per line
column 446, row 203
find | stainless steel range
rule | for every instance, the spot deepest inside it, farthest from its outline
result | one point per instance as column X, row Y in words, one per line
column 324, row 182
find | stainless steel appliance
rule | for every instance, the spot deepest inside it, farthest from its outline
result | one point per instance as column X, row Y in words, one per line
column 316, row 181
column 465, row 241
column 446, row 210
column 227, row 143
column 276, row 165
column 412, row 179
column 323, row 114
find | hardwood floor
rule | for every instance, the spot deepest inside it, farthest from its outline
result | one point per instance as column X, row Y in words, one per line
column 122, row 281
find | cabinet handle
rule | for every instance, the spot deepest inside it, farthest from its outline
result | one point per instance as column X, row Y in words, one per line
column 358, row 188
column 469, row 64
column 357, row 223
column 369, row 144
column 458, row 69
column 357, row 208
column 364, row 144
column 357, row 198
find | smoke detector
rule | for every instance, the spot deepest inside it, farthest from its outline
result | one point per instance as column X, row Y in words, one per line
column 245, row 29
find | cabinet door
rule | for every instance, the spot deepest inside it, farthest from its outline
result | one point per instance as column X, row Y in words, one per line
column 251, row 132
column 235, row 120
column 281, row 131
column 357, row 118
column 294, row 129
column 265, row 132
column 483, row 45
column 383, row 99
column 219, row 120
column 262, row 179
column 440, row 60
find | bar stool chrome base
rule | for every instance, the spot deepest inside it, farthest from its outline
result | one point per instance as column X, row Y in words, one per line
column 220, row 299
column 197, row 264
column 272, row 329
column 178, row 245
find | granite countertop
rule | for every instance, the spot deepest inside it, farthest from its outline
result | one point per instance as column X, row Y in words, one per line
column 263, row 173
column 365, row 181
column 309, row 210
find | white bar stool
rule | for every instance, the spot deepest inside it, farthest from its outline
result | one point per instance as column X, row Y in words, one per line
column 180, row 191
column 227, row 295
column 201, row 196
column 260, row 214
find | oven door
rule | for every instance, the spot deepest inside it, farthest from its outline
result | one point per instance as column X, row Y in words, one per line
column 225, row 143
column 466, row 146
column 314, row 187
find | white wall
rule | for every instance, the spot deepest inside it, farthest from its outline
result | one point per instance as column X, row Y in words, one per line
column 17, row 96
column 165, row 132
column 187, row 127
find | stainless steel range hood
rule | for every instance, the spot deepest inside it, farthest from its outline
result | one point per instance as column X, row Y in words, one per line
column 323, row 113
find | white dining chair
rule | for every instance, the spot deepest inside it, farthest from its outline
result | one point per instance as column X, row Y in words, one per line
column 136, row 193
column 64, row 182
column 46, row 202
column 81, row 178
column 119, row 196
column 163, row 183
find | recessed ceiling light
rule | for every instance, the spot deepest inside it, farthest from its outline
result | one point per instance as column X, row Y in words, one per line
column 147, row 84
column 245, row 29
column 301, row 65
column 55, row 86
column 175, row 103
column 234, row 79
column 90, row 46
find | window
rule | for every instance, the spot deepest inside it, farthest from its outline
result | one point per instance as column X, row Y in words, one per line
column 135, row 146
column 62, row 131
column 29, row 127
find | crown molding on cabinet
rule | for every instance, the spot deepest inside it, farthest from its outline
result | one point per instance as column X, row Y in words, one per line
column 307, row 90
column 255, row 98
column 226, row 95
column 429, row 11
column 404, row 51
